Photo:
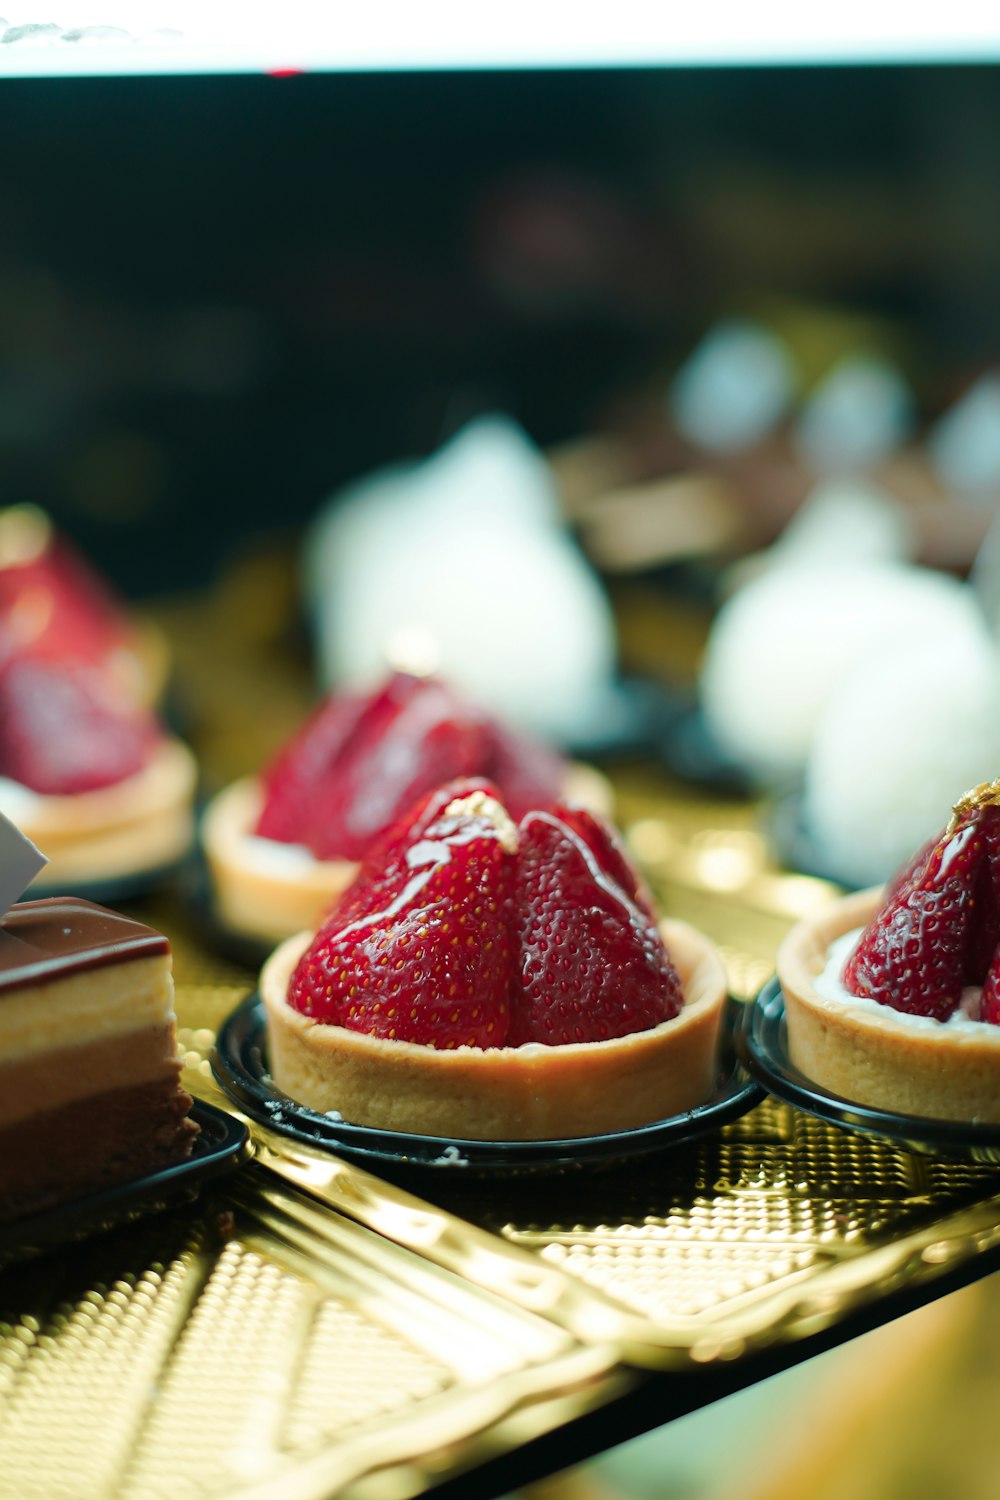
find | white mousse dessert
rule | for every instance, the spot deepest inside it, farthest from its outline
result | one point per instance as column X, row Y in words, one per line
column 462, row 565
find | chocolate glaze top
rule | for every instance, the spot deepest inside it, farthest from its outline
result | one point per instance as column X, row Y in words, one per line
column 44, row 940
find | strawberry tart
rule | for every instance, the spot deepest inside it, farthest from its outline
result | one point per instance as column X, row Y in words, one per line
column 54, row 602
column 491, row 980
column 892, row 997
column 89, row 775
column 281, row 846
column 86, row 770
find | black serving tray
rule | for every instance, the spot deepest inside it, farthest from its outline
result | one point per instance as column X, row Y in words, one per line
column 219, row 1146
column 241, row 1067
column 762, row 1044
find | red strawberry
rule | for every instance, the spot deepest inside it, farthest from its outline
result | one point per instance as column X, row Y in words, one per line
column 984, row 921
column 362, row 759
column 589, row 962
column 983, row 963
column 529, row 774
column 412, row 736
column 291, row 779
column 914, row 953
column 51, row 602
column 989, row 1005
column 388, row 860
column 63, row 729
column 608, row 850
column 984, row 900
column 419, row 950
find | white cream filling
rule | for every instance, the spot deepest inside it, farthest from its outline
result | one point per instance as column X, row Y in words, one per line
column 271, row 857
column 829, row 984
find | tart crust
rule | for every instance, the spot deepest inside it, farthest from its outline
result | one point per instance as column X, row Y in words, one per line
column 532, row 1092
column 142, row 823
column 272, row 891
column 881, row 1060
column 260, row 887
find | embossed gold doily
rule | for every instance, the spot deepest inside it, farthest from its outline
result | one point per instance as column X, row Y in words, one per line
column 305, row 1329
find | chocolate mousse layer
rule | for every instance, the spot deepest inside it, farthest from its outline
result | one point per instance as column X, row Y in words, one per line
column 93, row 1143
column 44, row 940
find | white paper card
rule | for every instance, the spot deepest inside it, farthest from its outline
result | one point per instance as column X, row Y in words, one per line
column 20, row 862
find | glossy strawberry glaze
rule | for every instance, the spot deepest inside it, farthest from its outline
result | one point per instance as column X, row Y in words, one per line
column 65, row 728
column 361, row 761
column 588, row 959
column 938, row 929
column 51, row 602
column 462, row 930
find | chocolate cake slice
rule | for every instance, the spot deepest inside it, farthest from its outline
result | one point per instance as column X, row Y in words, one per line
column 90, row 1091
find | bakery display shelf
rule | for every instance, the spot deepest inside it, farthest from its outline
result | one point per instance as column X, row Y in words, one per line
column 759, row 1234
column 307, row 1327
column 255, row 1344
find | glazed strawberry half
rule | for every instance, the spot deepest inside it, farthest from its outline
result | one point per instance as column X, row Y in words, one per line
column 66, row 729
column 466, row 929
column 589, row 961
column 362, row 760
column 52, row 603
column 938, row 929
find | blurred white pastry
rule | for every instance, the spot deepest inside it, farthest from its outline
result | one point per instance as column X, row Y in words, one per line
column 462, row 565
column 733, row 389
column 910, row 730
column 861, row 412
column 849, row 518
column 964, row 444
column 783, row 644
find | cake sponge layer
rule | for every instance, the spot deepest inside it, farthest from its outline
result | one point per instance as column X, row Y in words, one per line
column 32, row 1086
column 90, row 1006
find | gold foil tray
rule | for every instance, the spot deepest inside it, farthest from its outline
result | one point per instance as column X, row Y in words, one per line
column 775, row 1228
column 766, row 1231
column 256, row 1344
column 308, row 1329
column 259, row 1346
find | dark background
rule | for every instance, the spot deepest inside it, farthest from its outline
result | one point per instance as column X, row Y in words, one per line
column 221, row 297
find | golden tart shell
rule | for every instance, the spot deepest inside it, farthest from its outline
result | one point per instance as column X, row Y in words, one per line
column 259, row 887
column 881, row 1059
column 273, row 891
column 532, row 1092
column 144, row 822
